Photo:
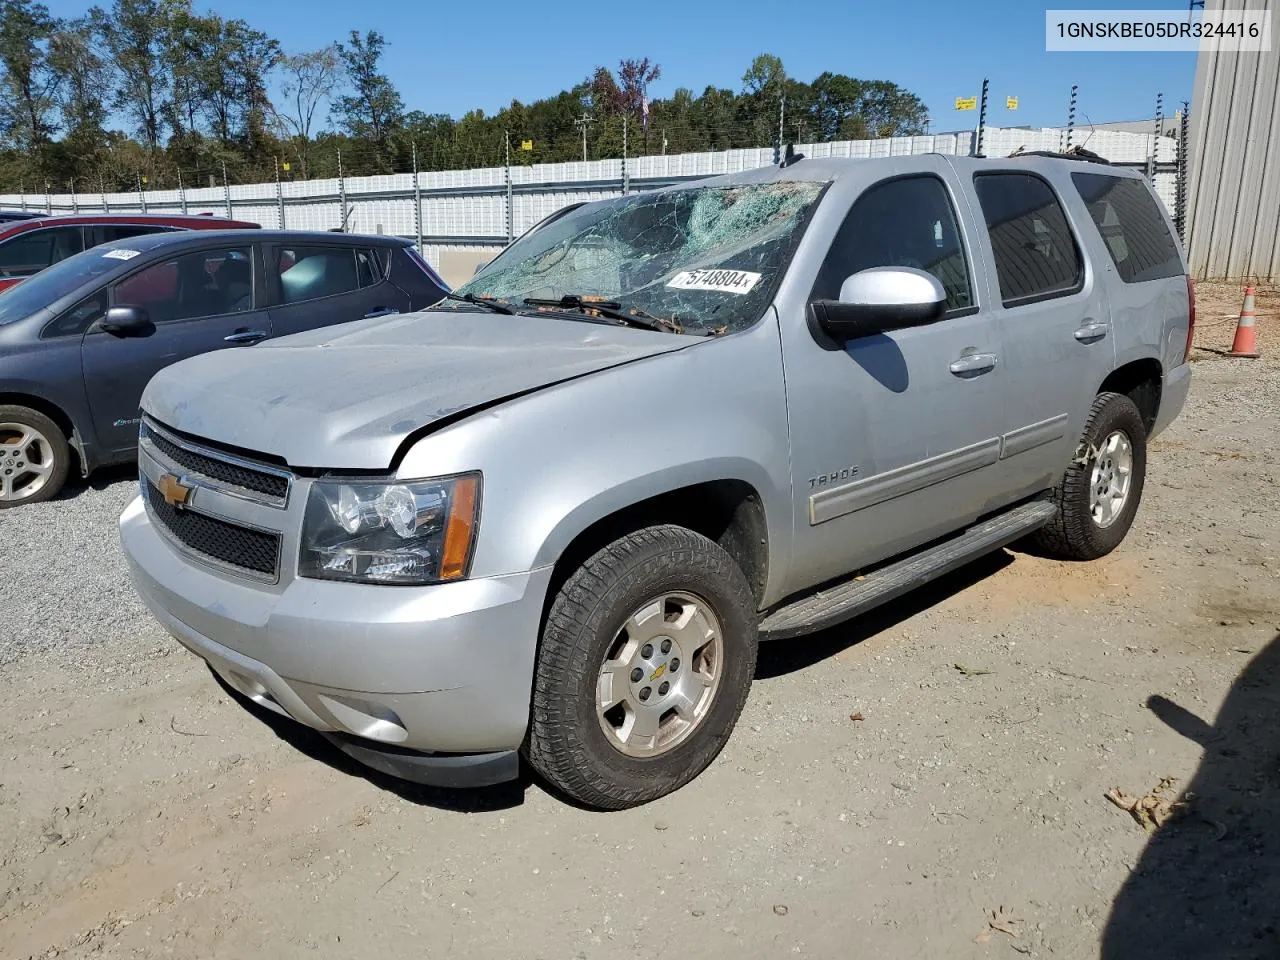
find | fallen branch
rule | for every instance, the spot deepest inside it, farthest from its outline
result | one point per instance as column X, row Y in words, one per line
column 185, row 733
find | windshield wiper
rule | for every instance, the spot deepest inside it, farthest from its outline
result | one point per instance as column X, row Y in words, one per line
column 497, row 306
column 606, row 308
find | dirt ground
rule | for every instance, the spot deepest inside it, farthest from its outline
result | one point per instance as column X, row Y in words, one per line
column 144, row 813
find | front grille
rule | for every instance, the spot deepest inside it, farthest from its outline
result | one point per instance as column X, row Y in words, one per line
column 228, row 543
column 268, row 484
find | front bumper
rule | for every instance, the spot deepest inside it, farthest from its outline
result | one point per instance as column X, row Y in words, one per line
column 415, row 681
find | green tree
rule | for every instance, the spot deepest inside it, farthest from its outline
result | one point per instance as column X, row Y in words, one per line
column 373, row 109
column 29, row 82
column 309, row 81
column 135, row 33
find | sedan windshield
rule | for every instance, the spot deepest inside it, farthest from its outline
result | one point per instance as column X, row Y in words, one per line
column 55, row 282
column 703, row 260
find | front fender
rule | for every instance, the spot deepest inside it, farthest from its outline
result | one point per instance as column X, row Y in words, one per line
column 561, row 459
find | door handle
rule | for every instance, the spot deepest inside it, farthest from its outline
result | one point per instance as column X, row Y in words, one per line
column 974, row 364
column 1092, row 331
column 246, row 336
column 380, row 312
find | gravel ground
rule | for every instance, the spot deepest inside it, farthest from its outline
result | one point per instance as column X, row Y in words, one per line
column 64, row 576
column 143, row 813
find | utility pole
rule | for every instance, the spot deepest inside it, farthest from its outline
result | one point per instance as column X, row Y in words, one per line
column 142, row 197
column 506, row 136
column 982, row 120
column 182, row 193
column 1181, row 201
column 1071, row 114
column 226, row 188
column 664, row 141
column 102, row 189
column 342, row 195
column 782, row 119
column 417, row 198
column 582, row 122
column 75, row 203
column 626, row 179
column 1155, row 144
column 279, row 194
column 22, row 190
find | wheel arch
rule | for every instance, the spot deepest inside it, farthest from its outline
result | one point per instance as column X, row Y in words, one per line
column 728, row 511
column 1142, row 381
column 58, row 415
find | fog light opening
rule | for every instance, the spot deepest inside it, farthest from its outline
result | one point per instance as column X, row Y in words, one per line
column 373, row 721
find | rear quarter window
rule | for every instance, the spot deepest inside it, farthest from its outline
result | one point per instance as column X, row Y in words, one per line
column 1132, row 227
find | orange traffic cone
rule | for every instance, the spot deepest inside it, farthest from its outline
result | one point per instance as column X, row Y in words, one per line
column 1245, row 344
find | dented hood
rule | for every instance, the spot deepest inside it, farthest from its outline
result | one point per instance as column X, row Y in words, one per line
column 346, row 397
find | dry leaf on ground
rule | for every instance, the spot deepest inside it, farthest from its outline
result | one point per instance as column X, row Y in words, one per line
column 998, row 920
column 1152, row 810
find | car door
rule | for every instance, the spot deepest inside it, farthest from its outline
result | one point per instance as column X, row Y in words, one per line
column 196, row 301
column 894, row 436
column 1054, row 321
column 317, row 284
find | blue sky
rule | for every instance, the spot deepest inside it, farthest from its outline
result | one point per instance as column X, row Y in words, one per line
column 451, row 57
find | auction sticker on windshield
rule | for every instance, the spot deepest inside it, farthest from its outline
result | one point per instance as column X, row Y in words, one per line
column 120, row 254
column 721, row 281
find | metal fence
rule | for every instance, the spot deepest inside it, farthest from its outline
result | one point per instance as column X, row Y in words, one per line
column 461, row 217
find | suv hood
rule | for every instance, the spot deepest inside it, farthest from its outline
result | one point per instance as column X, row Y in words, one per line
column 347, row 396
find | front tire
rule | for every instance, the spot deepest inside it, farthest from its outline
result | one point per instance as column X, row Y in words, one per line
column 34, row 457
column 646, row 661
column 1099, row 494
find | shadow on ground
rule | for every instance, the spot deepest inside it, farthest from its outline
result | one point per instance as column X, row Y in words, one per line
column 100, row 479
column 775, row 659
column 312, row 744
column 1208, row 884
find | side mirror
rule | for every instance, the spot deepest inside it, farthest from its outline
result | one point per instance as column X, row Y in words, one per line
column 480, row 266
column 880, row 299
column 125, row 321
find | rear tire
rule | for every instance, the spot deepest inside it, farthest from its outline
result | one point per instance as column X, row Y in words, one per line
column 34, row 457
column 1099, row 494
column 646, row 661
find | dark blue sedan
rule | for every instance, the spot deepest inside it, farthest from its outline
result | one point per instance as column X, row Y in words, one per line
column 80, row 340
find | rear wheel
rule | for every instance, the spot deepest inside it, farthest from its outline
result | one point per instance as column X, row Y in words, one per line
column 34, row 457
column 1099, row 494
column 645, row 664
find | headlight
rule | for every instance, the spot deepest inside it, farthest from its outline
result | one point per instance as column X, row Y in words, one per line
column 417, row 532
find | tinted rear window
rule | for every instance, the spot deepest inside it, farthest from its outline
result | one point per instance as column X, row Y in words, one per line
column 1131, row 226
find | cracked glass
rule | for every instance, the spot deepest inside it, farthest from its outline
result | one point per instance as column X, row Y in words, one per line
column 701, row 260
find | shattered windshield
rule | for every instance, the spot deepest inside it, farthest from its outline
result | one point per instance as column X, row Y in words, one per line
column 703, row 260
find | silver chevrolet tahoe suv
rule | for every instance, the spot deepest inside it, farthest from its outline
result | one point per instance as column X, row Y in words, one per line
column 551, row 517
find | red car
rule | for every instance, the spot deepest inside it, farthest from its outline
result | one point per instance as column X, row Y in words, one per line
column 28, row 246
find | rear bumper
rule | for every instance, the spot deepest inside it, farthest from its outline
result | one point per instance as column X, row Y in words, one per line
column 431, row 684
column 1173, row 397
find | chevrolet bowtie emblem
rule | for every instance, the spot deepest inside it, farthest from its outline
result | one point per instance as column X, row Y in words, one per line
column 175, row 492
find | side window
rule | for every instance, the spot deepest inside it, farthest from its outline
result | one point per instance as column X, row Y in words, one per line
column 110, row 234
column 1131, row 225
column 1036, row 254
column 900, row 223
column 77, row 320
column 309, row 273
column 371, row 265
column 29, row 253
column 207, row 283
